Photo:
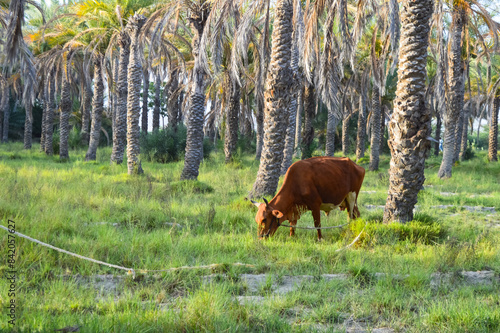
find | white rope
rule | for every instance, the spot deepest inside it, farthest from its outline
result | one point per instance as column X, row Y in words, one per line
column 314, row 228
column 130, row 271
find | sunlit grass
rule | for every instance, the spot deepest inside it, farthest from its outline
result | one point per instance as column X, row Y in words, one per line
column 66, row 205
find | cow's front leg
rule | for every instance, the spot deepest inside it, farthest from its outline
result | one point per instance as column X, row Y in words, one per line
column 292, row 230
column 317, row 221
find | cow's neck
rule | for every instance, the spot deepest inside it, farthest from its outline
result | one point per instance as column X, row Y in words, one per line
column 283, row 203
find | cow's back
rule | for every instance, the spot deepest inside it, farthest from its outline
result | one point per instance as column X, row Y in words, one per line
column 331, row 178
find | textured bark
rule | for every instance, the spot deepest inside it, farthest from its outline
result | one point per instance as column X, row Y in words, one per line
column 292, row 110
column 49, row 121
column 308, row 130
column 345, row 134
column 120, row 132
column 97, row 108
column 156, row 110
column 261, row 69
column 458, row 135
column 28, row 125
column 277, row 99
column 456, row 90
column 361, row 134
column 86, row 113
column 259, row 132
column 382, row 129
column 134, row 78
column 145, row 93
column 493, row 134
column 173, row 107
column 410, row 124
column 438, row 134
column 298, row 121
column 114, row 95
column 194, row 140
column 375, row 139
column 66, row 103
column 331, row 127
column 232, row 91
column 465, row 128
column 44, row 119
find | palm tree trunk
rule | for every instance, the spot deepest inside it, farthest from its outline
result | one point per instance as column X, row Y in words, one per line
column 66, row 104
column 120, row 132
column 6, row 113
column 410, row 124
column 233, row 109
column 438, row 134
column 194, row 140
column 173, row 100
column 49, row 122
column 97, row 108
column 86, row 113
column 375, row 140
column 156, row 110
column 145, row 93
column 361, row 134
column 493, row 133
column 277, row 100
column 134, row 78
column 382, row 129
column 259, row 86
column 298, row 121
column 292, row 110
column 331, row 127
column 458, row 135
column 345, row 134
column 308, row 130
column 259, row 117
column 114, row 94
column 455, row 98
column 28, row 125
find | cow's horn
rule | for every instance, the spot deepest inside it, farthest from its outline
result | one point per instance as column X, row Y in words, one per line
column 267, row 203
column 255, row 203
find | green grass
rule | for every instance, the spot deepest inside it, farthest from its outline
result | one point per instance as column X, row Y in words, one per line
column 63, row 204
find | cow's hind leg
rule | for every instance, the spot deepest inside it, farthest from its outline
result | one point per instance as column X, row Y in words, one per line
column 317, row 221
column 351, row 205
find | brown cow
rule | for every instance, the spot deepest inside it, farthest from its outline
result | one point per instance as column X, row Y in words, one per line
column 318, row 183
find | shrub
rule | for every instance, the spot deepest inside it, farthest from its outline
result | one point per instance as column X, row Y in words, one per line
column 164, row 145
column 55, row 142
column 75, row 138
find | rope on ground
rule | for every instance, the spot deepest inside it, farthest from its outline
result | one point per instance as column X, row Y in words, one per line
column 354, row 241
column 130, row 271
column 314, row 228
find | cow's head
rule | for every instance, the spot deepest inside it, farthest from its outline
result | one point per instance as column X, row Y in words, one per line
column 267, row 218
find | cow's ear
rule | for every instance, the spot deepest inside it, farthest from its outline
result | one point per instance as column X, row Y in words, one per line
column 277, row 213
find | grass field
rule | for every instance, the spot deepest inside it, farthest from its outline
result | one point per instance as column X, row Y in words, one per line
column 64, row 204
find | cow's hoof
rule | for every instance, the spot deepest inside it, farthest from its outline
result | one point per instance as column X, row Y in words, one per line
column 320, row 240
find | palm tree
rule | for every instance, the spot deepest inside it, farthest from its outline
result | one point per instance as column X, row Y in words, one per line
column 309, row 110
column 232, row 92
column 134, row 78
column 156, row 110
column 493, row 133
column 277, row 99
column 409, row 126
column 145, row 93
column 97, row 108
column 66, row 106
column 86, row 111
column 194, row 141
column 120, row 129
column 361, row 133
column 376, row 129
